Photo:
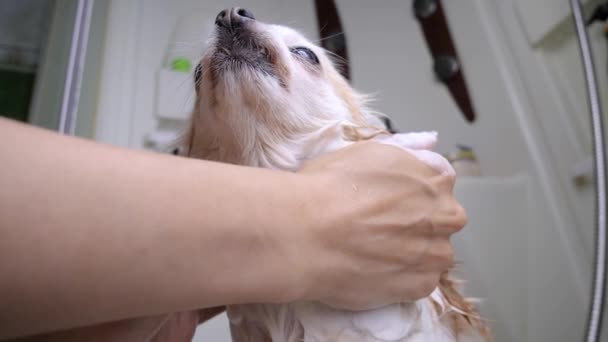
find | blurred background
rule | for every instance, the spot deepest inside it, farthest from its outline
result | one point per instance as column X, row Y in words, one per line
column 524, row 162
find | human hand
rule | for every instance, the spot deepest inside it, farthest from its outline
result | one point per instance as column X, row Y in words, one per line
column 383, row 223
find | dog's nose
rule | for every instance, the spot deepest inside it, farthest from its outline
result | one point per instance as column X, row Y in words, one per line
column 233, row 17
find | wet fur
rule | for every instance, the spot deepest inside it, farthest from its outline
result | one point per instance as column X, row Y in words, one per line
column 258, row 105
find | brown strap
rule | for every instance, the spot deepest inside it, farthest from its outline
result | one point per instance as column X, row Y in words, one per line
column 333, row 37
column 446, row 63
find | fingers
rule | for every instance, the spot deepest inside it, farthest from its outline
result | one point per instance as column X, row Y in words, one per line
column 449, row 216
column 450, row 219
column 425, row 285
column 405, row 287
column 438, row 256
column 411, row 287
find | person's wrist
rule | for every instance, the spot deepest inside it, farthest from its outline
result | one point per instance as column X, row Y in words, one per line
column 314, row 200
column 300, row 216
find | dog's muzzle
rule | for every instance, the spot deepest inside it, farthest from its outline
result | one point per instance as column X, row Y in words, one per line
column 238, row 42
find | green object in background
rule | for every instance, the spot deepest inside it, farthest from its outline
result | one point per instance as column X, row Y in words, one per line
column 181, row 64
column 16, row 89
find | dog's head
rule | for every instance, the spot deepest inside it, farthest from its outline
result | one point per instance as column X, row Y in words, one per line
column 267, row 96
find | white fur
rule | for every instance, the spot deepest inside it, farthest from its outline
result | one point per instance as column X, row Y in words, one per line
column 316, row 322
column 255, row 121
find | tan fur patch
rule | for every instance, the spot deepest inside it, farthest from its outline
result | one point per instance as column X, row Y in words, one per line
column 354, row 105
column 281, row 70
column 345, row 92
column 469, row 318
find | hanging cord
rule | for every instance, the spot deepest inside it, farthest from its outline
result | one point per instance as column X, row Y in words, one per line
column 594, row 323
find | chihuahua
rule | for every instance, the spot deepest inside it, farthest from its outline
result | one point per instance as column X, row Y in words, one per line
column 268, row 97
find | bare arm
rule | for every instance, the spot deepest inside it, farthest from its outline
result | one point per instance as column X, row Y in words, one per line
column 92, row 233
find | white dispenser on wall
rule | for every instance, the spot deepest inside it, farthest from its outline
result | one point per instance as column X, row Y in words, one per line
column 175, row 92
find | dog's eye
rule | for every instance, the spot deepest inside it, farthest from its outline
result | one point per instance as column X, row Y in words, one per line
column 305, row 53
column 198, row 72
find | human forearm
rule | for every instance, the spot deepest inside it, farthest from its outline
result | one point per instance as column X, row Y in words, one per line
column 91, row 233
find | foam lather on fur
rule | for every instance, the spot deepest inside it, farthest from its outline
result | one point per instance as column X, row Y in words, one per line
column 268, row 97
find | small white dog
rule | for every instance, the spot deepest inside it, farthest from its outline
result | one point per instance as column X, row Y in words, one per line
column 267, row 97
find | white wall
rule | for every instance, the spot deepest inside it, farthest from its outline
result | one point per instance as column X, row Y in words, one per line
column 51, row 73
column 54, row 53
column 389, row 56
column 139, row 34
column 535, row 275
column 550, row 66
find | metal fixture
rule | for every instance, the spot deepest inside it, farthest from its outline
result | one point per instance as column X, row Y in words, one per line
column 75, row 68
column 594, row 323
